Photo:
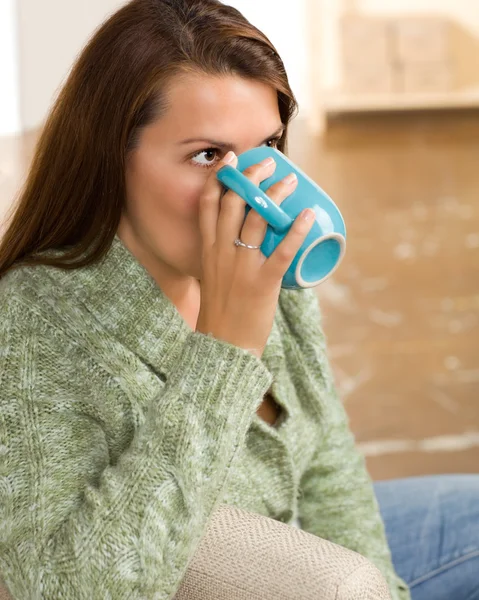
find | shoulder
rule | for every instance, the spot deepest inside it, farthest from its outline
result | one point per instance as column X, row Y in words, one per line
column 18, row 296
column 48, row 350
column 15, row 284
column 38, row 316
column 28, row 285
column 27, row 296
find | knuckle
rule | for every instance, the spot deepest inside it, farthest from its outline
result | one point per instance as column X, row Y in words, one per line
column 277, row 192
column 229, row 209
column 280, row 190
column 255, row 172
column 209, row 191
column 249, row 170
column 282, row 253
column 279, row 185
column 207, row 199
column 252, row 171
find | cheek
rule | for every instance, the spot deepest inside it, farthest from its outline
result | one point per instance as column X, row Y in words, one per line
column 188, row 188
column 178, row 188
column 167, row 190
column 185, row 192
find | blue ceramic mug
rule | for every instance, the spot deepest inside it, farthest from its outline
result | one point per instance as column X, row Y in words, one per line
column 324, row 246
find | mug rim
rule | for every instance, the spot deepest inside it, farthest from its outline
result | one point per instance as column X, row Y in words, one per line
column 329, row 236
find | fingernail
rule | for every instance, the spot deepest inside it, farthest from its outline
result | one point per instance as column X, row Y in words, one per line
column 291, row 178
column 308, row 214
column 229, row 157
column 267, row 161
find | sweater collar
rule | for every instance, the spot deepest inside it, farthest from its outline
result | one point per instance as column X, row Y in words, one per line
column 127, row 302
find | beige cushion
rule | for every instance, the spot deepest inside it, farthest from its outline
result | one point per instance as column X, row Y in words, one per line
column 245, row 556
column 4, row 595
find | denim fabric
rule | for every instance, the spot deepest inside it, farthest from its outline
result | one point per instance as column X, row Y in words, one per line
column 432, row 524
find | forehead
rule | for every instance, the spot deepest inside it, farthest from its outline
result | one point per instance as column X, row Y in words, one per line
column 209, row 106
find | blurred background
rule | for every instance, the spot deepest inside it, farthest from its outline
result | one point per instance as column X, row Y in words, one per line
column 389, row 127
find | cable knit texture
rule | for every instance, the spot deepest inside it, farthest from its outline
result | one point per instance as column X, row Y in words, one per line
column 121, row 431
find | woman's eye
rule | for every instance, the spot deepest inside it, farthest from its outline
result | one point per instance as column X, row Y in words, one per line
column 211, row 153
column 208, row 152
column 275, row 141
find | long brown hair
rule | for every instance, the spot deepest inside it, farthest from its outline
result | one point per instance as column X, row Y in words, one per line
column 75, row 190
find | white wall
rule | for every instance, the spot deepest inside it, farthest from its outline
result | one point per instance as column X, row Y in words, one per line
column 51, row 33
column 9, row 92
column 285, row 24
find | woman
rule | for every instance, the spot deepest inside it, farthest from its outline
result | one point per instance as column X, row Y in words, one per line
column 150, row 367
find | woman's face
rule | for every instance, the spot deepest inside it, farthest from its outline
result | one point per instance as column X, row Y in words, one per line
column 165, row 174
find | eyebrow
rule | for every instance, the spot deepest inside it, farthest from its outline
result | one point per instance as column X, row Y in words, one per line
column 226, row 145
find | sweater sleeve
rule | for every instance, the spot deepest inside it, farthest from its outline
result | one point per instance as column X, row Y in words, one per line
column 337, row 500
column 75, row 526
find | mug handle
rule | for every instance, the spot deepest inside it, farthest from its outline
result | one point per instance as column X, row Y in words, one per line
column 255, row 197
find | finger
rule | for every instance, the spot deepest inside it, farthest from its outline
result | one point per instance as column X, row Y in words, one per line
column 283, row 188
column 254, row 228
column 210, row 200
column 276, row 265
column 232, row 210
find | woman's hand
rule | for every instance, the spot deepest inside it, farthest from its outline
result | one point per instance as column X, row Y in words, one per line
column 239, row 286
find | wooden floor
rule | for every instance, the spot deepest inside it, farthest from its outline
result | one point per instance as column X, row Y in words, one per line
column 402, row 312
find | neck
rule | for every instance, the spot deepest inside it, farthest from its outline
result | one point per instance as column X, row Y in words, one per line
column 182, row 290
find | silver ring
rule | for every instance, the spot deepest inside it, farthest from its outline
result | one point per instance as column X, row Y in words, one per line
column 238, row 242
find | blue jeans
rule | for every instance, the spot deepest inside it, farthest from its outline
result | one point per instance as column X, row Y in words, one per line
column 432, row 525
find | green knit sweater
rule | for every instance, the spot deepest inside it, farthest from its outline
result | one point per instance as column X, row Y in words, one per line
column 121, row 430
